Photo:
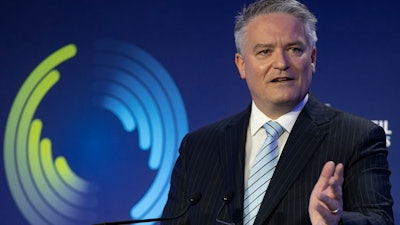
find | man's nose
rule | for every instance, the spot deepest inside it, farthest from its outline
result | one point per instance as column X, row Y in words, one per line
column 280, row 61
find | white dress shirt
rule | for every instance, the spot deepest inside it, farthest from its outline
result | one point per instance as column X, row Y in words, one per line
column 256, row 134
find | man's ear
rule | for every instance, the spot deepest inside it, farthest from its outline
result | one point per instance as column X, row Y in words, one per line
column 240, row 65
column 313, row 59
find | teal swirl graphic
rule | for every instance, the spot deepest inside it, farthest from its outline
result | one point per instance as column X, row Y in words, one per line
column 139, row 91
column 129, row 83
column 46, row 190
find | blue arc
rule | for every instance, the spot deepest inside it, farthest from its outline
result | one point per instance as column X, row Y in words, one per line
column 140, row 92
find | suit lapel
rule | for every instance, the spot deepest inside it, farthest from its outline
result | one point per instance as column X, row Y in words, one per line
column 296, row 153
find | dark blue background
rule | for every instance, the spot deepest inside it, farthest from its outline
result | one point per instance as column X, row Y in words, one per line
column 357, row 71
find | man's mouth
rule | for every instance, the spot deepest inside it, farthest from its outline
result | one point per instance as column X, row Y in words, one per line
column 281, row 79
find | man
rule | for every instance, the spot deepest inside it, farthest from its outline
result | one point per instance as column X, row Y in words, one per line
column 331, row 166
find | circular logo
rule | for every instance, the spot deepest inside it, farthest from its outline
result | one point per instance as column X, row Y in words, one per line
column 130, row 84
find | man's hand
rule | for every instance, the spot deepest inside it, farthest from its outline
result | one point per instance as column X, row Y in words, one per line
column 326, row 202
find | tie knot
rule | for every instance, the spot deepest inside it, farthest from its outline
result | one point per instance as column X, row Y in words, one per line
column 273, row 129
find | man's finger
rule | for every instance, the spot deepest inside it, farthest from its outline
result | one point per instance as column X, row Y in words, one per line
column 327, row 171
column 339, row 170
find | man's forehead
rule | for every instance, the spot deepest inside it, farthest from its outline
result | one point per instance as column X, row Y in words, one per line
column 276, row 26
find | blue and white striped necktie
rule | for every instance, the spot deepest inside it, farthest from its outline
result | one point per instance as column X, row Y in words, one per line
column 261, row 172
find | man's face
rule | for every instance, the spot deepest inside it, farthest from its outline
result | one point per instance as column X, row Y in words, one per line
column 277, row 62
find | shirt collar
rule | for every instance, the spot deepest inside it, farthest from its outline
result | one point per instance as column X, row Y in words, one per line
column 258, row 118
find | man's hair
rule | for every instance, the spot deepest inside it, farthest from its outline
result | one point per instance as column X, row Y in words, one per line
column 262, row 7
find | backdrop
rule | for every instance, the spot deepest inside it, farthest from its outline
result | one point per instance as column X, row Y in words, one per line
column 96, row 95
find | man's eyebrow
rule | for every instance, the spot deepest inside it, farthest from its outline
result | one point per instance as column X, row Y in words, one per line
column 258, row 46
column 295, row 43
column 265, row 45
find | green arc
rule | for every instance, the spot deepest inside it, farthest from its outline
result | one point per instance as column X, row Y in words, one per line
column 45, row 190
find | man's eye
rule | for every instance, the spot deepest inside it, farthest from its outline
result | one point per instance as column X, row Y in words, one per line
column 264, row 52
column 295, row 50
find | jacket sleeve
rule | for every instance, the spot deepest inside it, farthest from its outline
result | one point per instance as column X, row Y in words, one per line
column 177, row 198
column 366, row 188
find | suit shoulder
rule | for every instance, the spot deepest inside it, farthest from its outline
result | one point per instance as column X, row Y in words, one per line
column 322, row 113
column 223, row 124
column 349, row 117
column 358, row 123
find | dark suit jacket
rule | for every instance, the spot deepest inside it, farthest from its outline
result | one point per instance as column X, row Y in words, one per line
column 211, row 162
